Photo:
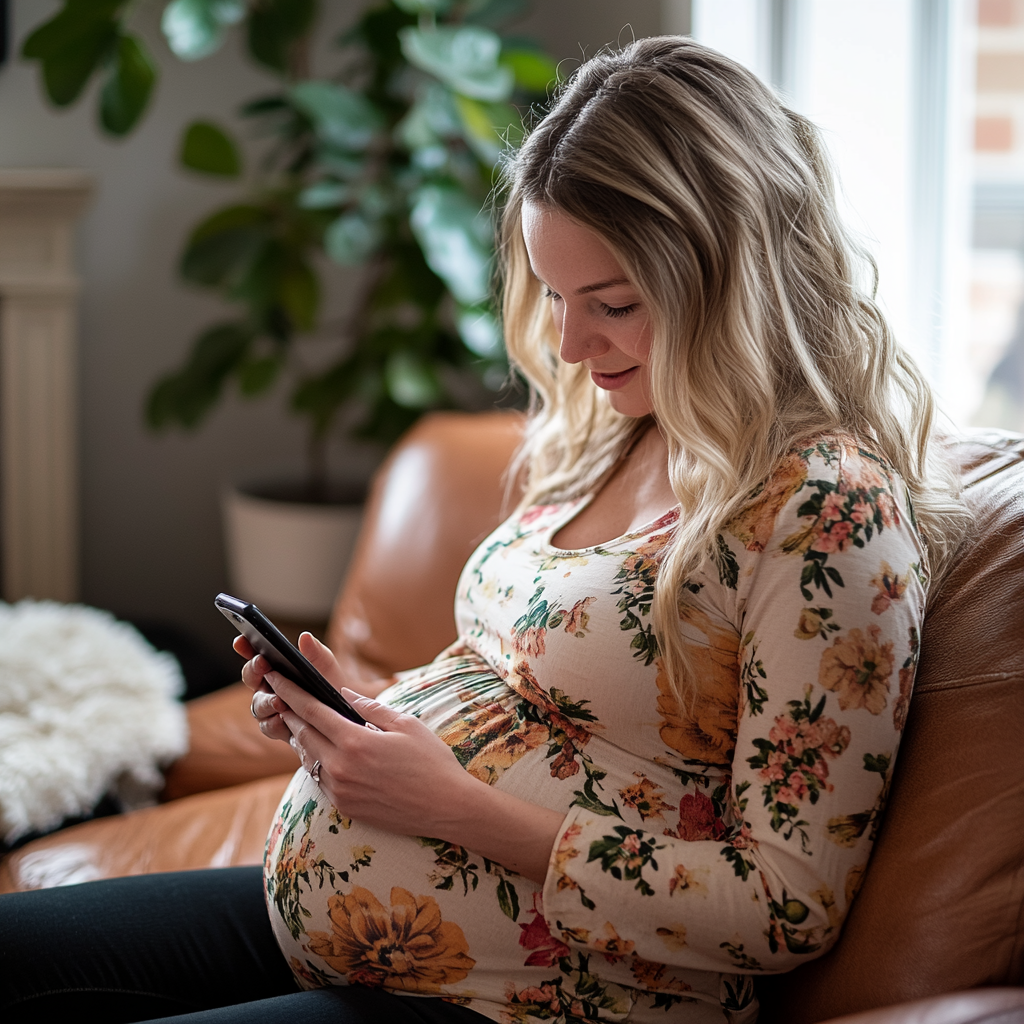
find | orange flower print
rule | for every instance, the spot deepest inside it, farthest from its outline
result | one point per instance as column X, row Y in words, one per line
column 612, row 946
column 564, row 853
column 857, row 668
column 646, row 798
column 565, row 764
column 683, row 880
column 657, row 977
column 408, row 948
column 890, row 586
column 705, row 731
column 756, row 523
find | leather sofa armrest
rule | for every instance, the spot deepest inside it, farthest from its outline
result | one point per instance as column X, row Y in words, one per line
column 976, row 1006
column 226, row 747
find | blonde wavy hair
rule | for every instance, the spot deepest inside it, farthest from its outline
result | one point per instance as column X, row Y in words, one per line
column 719, row 204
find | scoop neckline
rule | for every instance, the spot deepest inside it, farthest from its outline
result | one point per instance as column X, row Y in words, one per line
column 577, row 505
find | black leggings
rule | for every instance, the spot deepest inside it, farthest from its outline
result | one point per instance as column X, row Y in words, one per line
column 192, row 946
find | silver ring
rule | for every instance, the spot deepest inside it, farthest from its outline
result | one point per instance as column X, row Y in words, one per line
column 314, row 772
column 252, row 708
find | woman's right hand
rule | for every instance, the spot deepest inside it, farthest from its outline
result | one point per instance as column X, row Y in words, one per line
column 266, row 705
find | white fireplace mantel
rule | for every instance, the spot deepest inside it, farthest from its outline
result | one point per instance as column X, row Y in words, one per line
column 38, row 382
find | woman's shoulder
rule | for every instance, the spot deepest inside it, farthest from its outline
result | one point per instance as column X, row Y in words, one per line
column 828, row 489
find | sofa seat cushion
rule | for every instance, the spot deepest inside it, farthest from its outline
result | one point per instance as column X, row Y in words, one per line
column 226, row 747
column 225, row 828
column 978, row 1006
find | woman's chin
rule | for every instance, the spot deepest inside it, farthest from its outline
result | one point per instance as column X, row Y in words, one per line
column 626, row 404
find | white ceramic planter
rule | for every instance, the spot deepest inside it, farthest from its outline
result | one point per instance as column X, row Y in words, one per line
column 288, row 557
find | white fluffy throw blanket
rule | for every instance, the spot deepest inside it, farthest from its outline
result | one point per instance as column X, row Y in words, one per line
column 87, row 706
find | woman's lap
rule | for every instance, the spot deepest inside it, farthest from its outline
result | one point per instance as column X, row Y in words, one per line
column 192, row 945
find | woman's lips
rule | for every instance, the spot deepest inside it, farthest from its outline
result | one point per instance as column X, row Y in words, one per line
column 613, row 381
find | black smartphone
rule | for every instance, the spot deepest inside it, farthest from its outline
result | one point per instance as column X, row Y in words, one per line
column 283, row 655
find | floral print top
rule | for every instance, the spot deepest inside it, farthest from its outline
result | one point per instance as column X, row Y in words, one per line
column 701, row 844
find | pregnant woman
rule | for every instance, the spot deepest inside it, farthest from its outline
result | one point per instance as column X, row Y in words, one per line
column 653, row 765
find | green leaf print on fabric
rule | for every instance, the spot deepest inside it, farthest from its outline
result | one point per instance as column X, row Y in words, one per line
column 845, row 513
column 454, row 862
column 529, row 631
column 793, row 762
column 577, row 996
column 625, row 855
column 751, row 669
column 293, row 866
column 740, row 957
column 636, row 578
column 725, row 560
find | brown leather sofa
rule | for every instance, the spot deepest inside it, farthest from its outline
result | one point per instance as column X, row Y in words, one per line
column 938, row 927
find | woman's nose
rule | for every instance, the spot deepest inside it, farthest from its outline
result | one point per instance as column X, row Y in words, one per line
column 578, row 341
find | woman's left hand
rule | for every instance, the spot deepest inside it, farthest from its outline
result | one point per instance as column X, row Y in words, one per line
column 396, row 776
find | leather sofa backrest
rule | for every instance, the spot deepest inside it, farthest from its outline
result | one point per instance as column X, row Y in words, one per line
column 439, row 494
column 942, row 904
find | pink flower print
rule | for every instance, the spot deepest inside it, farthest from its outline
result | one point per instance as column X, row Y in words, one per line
column 837, row 538
column 887, row 507
column 577, row 620
column 530, row 642
column 797, row 785
column 547, row 950
column 861, row 514
column 536, row 512
column 774, row 771
column 544, row 998
column 833, row 507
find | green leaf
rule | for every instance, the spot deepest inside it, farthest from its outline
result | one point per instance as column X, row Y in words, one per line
column 480, row 332
column 195, row 28
column 256, row 375
column 323, row 195
column 208, row 149
column 493, row 13
column 534, row 71
column 411, row 382
column 128, row 86
column 224, row 246
column 72, row 44
column 298, row 291
column 456, row 239
column 424, row 6
column 489, row 128
column 351, row 239
column 508, row 899
column 432, row 119
column 341, row 116
column 187, row 396
column 275, row 26
column 464, row 58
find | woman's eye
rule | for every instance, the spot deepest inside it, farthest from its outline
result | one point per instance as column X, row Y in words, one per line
column 615, row 311
column 549, row 294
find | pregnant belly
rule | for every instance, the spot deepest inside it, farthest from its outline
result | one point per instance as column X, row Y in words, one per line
column 352, row 903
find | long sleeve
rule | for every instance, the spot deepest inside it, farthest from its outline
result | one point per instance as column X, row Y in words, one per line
column 744, row 854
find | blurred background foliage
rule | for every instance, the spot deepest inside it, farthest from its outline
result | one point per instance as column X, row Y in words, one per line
column 384, row 167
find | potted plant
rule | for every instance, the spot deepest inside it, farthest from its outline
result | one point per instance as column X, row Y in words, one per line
column 385, row 167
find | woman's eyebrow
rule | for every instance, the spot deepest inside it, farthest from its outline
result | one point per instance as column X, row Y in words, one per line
column 600, row 284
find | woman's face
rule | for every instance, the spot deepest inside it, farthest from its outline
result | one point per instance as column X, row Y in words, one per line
column 597, row 312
